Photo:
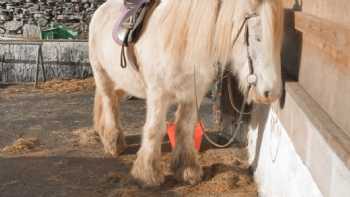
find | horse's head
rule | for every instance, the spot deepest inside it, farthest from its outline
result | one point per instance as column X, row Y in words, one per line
column 258, row 48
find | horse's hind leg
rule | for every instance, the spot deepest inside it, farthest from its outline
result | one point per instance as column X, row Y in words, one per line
column 147, row 168
column 185, row 163
column 106, row 114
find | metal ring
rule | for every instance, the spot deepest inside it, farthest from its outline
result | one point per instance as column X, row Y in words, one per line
column 252, row 79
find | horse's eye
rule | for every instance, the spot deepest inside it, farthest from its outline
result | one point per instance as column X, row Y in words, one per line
column 258, row 39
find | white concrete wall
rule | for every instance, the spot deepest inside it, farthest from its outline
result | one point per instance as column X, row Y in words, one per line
column 280, row 171
column 297, row 150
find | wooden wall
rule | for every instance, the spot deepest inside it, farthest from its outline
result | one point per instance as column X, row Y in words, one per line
column 317, row 53
column 62, row 60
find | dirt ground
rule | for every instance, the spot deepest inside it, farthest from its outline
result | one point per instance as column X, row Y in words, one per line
column 47, row 148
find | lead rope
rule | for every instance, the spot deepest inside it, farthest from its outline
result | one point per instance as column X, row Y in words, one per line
column 251, row 81
column 234, row 135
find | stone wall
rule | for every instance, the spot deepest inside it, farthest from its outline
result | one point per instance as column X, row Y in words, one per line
column 62, row 60
column 75, row 14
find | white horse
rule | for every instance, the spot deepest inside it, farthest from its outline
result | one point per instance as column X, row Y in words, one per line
column 183, row 40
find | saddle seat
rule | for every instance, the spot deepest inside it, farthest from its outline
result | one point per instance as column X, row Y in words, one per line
column 129, row 24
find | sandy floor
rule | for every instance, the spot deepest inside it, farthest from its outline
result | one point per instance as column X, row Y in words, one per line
column 47, row 148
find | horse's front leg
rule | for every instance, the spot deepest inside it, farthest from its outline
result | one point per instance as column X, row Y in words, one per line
column 185, row 159
column 147, row 168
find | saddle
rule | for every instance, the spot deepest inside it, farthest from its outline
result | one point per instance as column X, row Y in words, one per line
column 129, row 26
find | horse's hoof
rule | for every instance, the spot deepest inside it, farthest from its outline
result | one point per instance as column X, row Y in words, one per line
column 190, row 174
column 186, row 168
column 146, row 176
column 115, row 147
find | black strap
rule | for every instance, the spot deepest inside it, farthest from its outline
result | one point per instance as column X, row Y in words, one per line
column 123, row 62
column 250, row 61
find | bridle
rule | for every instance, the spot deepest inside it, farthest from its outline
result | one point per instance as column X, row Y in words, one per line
column 251, row 79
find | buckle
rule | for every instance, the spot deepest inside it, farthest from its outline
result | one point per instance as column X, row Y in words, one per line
column 250, row 15
column 252, row 79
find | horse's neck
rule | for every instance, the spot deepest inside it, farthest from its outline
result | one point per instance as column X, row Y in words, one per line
column 189, row 35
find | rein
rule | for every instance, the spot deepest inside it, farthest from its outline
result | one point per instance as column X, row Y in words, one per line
column 252, row 80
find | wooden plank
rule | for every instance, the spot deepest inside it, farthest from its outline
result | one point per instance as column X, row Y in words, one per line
column 62, row 60
column 336, row 11
column 332, row 38
column 327, row 85
column 332, row 10
column 324, row 70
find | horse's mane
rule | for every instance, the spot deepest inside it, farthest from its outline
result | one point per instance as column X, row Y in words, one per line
column 203, row 30
column 272, row 22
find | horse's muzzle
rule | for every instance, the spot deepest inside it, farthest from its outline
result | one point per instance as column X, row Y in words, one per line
column 266, row 98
